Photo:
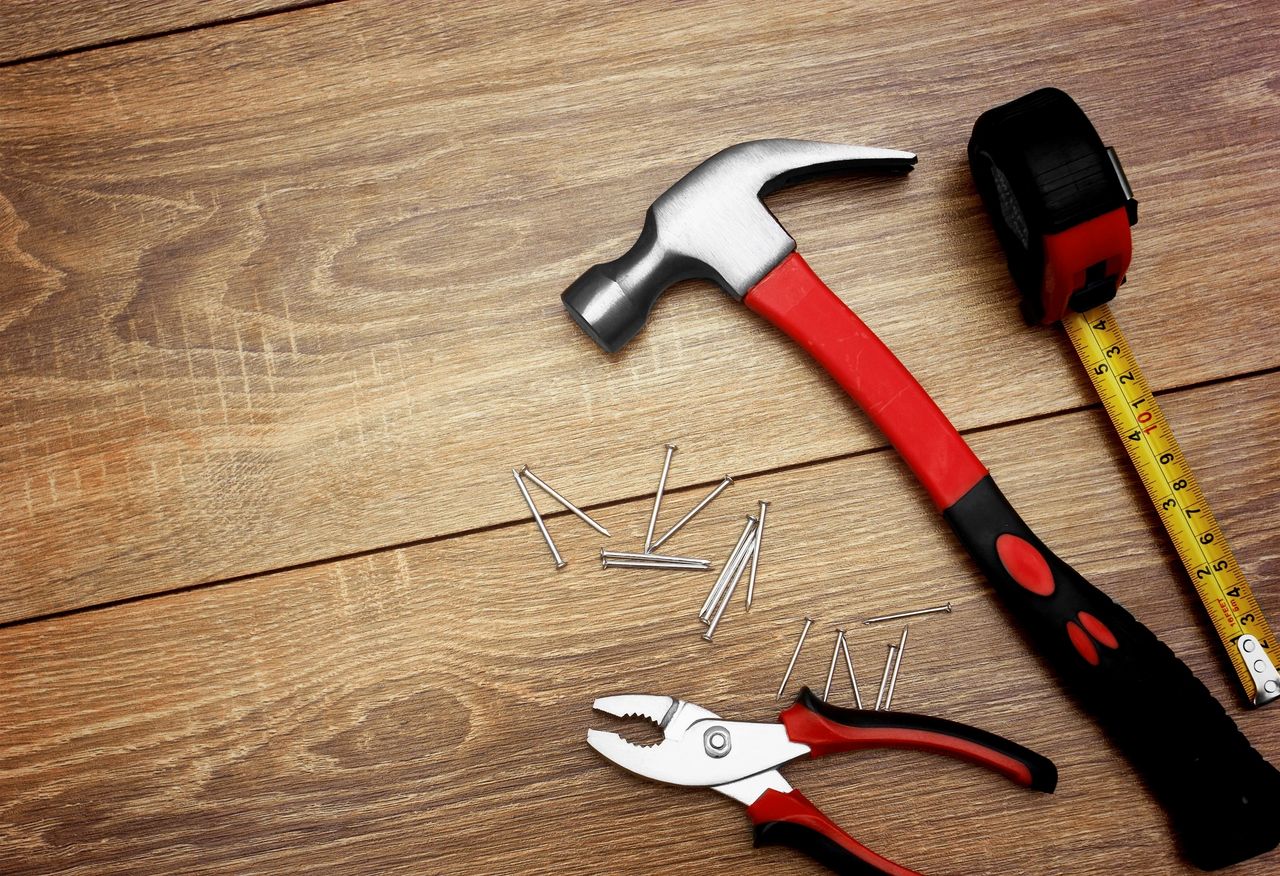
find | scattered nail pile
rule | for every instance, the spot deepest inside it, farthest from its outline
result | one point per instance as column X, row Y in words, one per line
column 888, row 680
column 746, row 553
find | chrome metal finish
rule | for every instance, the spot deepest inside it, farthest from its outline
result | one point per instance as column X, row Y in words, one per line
column 1261, row 669
column 747, row 791
column 1120, row 175
column 681, row 758
column 730, row 567
column 853, row 679
column 658, row 709
column 609, row 563
column 634, row 555
column 716, row 741
column 711, row 225
column 714, row 621
column 884, row 679
column 917, row 613
column 831, row 670
column 728, row 582
column 808, row 622
column 897, row 664
column 581, row 515
column 755, row 555
column 537, row 518
column 657, row 498
column 693, row 512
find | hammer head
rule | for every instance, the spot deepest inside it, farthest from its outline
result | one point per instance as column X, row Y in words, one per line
column 711, row 225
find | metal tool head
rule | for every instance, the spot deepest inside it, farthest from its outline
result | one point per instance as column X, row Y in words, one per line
column 698, row 747
column 711, row 225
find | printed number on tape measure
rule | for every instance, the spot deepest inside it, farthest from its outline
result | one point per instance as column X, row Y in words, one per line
column 1199, row 540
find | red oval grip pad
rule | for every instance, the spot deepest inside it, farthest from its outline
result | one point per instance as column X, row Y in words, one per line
column 1098, row 630
column 1080, row 639
column 1025, row 564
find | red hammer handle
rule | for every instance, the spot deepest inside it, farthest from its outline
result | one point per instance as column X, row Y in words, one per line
column 793, row 298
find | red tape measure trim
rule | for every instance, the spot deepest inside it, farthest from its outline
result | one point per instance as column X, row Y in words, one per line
column 1069, row 254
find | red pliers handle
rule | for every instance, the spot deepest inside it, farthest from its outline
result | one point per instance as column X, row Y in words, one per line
column 789, row 819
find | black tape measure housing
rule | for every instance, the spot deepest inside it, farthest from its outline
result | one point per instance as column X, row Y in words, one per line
column 1041, row 169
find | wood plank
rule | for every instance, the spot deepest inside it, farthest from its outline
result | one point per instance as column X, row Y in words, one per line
column 422, row 710
column 287, row 289
column 32, row 28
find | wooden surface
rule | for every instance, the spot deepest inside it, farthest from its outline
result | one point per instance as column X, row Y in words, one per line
column 279, row 292
column 31, row 29
column 280, row 313
column 422, row 710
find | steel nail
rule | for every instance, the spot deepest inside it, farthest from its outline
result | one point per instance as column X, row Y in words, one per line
column 706, row 500
column 897, row 662
column 608, row 563
column 730, row 566
column 849, row 664
column 726, row 599
column 633, row 555
column 547, row 488
column 808, row 622
column 726, row 594
column 657, row 498
column 903, row 614
column 831, row 670
column 537, row 518
column 884, row 679
column 755, row 555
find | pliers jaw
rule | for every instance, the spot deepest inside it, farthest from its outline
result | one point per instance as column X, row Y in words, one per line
column 658, row 709
column 660, row 761
column 698, row 747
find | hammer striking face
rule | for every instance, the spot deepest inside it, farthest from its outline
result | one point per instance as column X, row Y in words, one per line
column 711, row 225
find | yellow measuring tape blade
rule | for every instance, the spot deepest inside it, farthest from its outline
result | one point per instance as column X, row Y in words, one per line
column 1196, row 535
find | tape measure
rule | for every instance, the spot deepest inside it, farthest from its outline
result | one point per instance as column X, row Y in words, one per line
column 1062, row 209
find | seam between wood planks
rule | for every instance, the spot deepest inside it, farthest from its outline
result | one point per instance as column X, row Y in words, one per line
column 160, row 34
column 507, row 524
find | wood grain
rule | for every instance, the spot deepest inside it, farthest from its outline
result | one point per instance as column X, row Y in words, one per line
column 31, row 28
column 422, row 710
column 287, row 289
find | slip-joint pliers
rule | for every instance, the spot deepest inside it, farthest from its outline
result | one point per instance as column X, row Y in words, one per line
column 740, row 759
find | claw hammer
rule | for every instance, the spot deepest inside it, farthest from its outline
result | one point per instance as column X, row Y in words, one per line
column 712, row 225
